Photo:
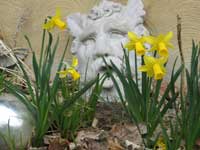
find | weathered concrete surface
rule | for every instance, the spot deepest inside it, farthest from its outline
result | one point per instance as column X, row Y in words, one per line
column 19, row 17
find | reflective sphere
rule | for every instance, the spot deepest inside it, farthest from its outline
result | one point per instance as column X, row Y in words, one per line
column 16, row 118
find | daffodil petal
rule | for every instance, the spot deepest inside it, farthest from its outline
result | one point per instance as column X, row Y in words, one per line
column 130, row 46
column 149, row 39
column 139, row 48
column 162, row 60
column 75, row 75
column 149, row 60
column 148, row 70
column 132, row 36
column 59, row 23
column 163, row 52
column 168, row 36
column 153, row 48
column 74, row 62
column 62, row 74
column 170, row 46
column 150, row 73
column 143, row 68
column 160, row 38
column 58, row 12
column 49, row 25
column 160, row 145
column 55, row 21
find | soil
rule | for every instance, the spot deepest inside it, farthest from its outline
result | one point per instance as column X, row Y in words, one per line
column 111, row 130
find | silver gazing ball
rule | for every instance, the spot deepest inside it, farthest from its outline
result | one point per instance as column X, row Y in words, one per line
column 13, row 114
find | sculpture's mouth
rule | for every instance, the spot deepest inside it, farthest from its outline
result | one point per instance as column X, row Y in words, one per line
column 105, row 68
column 102, row 68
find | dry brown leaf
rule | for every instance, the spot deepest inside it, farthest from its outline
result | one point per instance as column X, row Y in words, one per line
column 114, row 145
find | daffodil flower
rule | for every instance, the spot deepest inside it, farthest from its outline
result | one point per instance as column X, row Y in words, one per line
column 161, row 43
column 74, row 62
column 160, row 145
column 63, row 73
column 55, row 21
column 136, row 43
column 75, row 75
column 71, row 70
column 154, row 67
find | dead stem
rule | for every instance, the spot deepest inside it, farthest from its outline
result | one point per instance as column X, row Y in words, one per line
column 181, row 52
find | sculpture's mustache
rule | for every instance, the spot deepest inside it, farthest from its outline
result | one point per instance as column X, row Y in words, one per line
column 102, row 64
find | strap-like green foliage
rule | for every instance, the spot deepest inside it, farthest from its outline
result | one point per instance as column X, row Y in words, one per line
column 190, row 102
column 42, row 94
column 144, row 105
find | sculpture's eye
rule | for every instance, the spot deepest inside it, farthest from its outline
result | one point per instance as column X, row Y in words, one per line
column 114, row 33
column 89, row 40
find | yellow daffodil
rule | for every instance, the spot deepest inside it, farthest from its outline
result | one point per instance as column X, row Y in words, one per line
column 75, row 75
column 136, row 43
column 160, row 144
column 71, row 70
column 74, row 62
column 154, row 67
column 161, row 43
column 63, row 73
column 55, row 21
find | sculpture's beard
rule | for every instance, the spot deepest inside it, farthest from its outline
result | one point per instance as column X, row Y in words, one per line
column 109, row 90
column 98, row 66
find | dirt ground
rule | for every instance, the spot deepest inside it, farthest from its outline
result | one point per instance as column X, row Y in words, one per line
column 111, row 130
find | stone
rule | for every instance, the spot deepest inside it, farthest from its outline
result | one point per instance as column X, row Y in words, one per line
column 16, row 118
column 101, row 33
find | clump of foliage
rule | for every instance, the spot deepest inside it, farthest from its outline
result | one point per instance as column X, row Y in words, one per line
column 42, row 97
column 187, row 125
column 144, row 104
column 2, row 78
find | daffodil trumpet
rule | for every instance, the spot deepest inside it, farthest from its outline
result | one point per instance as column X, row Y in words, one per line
column 160, row 43
column 158, row 72
column 136, row 43
column 154, row 67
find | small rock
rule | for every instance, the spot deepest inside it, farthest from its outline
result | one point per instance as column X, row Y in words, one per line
column 131, row 146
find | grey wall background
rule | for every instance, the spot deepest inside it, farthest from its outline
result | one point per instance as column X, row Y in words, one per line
column 19, row 17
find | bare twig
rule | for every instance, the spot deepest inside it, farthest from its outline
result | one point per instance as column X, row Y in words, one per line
column 181, row 51
column 179, row 38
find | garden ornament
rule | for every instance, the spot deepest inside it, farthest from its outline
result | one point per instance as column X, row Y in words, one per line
column 16, row 119
column 101, row 33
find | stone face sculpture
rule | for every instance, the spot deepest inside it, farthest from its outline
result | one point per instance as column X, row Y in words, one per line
column 101, row 33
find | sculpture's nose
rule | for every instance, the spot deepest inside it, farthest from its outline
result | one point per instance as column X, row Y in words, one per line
column 102, row 47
